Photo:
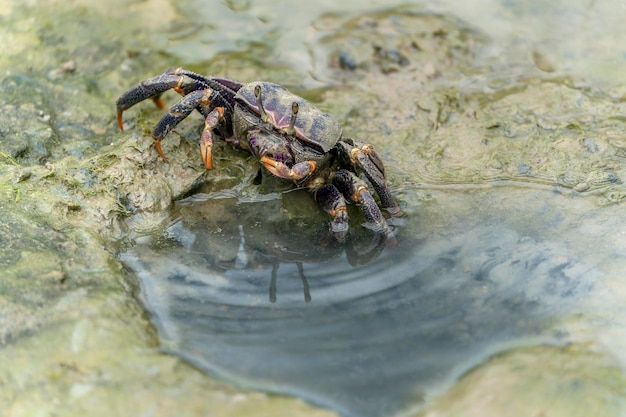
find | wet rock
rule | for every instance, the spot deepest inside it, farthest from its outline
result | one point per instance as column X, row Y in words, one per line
column 65, row 68
column 542, row 61
column 556, row 385
column 26, row 137
column 24, row 175
column 523, row 169
column 390, row 59
column 346, row 60
column 590, row 145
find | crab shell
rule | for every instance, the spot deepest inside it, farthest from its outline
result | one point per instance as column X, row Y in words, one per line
column 312, row 126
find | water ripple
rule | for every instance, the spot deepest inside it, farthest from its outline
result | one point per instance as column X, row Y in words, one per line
column 282, row 312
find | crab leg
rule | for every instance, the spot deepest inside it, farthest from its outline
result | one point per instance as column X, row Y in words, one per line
column 177, row 113
column 355, row 188
column 332, row 202
column 212, row 120
column 305, row 283
column 365, row 157
column 153, row 88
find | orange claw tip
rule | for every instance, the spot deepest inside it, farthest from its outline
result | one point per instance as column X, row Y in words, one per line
column 120, row 123
column 157, row 145
column 207, row 156
column 159, row 103
column 208, row 163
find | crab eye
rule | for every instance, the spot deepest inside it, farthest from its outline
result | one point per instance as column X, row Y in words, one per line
column 295, row 107
column 259, row 103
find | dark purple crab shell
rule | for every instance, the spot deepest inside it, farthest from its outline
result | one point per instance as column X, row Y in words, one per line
column 313, row 126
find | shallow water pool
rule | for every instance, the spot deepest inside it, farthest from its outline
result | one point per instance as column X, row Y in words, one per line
column 367, row 328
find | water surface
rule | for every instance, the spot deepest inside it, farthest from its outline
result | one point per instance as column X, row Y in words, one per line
column 267, row 307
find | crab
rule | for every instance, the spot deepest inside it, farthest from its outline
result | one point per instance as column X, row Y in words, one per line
column 291, row 137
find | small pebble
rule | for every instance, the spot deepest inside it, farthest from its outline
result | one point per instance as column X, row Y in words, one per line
column 25, row 174
column 347, row 61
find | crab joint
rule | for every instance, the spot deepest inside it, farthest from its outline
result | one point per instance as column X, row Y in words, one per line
column 335, row 212
column 354, row 153
column 179, row 85
column 206, row 97
column 357, row 194
column 213, row 118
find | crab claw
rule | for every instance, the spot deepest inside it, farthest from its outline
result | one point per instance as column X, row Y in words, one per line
column 332, row 202
column 206, row 140
column 206, row 148
column 297, row 172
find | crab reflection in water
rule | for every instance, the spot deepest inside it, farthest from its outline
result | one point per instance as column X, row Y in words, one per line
column 375, row 337
column 257, row 243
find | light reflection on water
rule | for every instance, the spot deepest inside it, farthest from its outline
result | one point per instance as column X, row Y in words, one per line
column 376, row 336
